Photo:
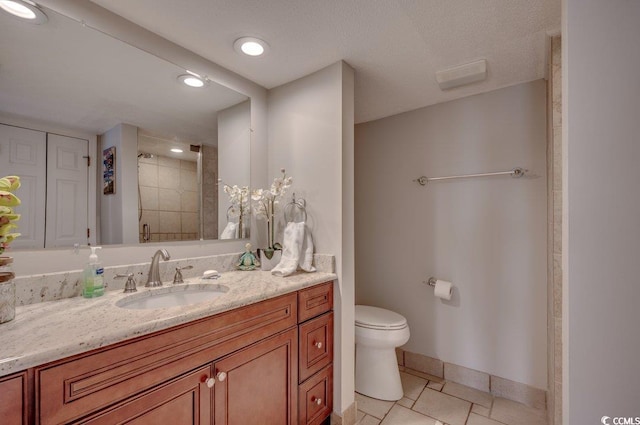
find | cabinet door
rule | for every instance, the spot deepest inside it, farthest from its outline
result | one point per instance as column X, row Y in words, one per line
column 13, row 406
column 258, row 385
column 185, row 400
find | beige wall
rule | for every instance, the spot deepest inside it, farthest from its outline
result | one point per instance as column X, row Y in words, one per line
column 486, row 235
column 310, row 127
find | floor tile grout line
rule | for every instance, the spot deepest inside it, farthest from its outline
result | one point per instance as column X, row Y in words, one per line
column 459, row 398
column 468, row 414
column 425, row 415
column 491, row 408
column 408, row 369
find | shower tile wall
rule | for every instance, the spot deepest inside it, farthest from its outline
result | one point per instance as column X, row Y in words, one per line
column 169, row 198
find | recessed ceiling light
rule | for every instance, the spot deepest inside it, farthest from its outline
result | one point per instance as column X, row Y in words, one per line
column 250, row 46
column 191, row 80
column 176, row 150
column 24, row 9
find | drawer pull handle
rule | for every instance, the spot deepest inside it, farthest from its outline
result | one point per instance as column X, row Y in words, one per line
column 318, row 345
column 315, row 400
column 211, row 382
column 222, row 376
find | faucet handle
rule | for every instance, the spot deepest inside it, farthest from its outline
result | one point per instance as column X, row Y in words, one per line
column 130, row 286
column 178, row 276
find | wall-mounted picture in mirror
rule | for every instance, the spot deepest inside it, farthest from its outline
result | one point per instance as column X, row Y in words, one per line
column 109, row 171
column 158, row 146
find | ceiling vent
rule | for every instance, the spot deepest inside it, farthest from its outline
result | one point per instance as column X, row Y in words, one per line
column 462, row 74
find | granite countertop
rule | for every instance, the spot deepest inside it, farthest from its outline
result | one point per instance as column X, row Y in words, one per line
column 53, row 330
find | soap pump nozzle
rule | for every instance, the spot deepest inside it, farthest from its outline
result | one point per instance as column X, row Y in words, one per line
column 93, row 258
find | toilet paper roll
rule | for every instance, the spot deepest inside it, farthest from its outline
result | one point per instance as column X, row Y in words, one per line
column 443, row 289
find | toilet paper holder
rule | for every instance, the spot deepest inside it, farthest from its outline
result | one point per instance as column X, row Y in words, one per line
column 431, row 281
column 441, row 288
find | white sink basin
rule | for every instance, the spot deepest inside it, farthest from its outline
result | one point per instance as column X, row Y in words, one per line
column 173, row 296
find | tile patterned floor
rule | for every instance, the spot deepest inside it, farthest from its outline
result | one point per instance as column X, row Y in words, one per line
column 429, row 400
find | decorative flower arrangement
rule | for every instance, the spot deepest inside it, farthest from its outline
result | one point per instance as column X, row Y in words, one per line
column 7, row 217
column 239, row 200
column 264, row 206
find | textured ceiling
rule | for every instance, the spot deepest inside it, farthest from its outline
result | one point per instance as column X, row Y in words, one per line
column 395, row 46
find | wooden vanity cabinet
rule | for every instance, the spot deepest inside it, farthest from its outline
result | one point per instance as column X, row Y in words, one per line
column 70, row 389
column 268, row 363
column 14, row 399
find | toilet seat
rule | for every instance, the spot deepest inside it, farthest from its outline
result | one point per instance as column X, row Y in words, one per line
column 378, row 318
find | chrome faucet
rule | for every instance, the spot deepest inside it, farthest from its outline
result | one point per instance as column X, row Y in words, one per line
column 154, row 271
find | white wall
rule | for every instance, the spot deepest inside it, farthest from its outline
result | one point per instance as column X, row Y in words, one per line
column 119, row 211
column 234, row 143
column 487, row 236
column 310, row 127
column 602, row 215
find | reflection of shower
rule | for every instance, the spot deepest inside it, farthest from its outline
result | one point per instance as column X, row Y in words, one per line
column 147, row 156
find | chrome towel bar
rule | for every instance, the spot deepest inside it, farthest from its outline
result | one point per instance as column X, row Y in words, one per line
column 516, row 172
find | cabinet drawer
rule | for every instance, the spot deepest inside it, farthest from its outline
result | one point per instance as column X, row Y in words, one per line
column 314, row 301
column 74, row 387
column 13, row 399
column 316, row 345
column 315, row 398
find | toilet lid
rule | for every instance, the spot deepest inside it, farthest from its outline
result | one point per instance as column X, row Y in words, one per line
column 378, row 318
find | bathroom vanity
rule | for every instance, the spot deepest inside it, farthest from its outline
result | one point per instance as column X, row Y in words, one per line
column 234, row 360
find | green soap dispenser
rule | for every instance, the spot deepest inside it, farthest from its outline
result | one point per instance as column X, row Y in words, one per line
column 93, row 282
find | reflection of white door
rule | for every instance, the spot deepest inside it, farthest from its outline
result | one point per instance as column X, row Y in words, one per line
column 67, row 180
column 23, row 153
column 54, row 186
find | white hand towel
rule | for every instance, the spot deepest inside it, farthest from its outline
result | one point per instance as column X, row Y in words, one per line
column 306, row 256
column 292, row 243
column 229, row 231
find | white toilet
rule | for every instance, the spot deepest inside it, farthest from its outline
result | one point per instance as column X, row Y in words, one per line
column 378, row 333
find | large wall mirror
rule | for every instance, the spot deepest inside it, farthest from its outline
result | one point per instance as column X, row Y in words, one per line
column 158, row 147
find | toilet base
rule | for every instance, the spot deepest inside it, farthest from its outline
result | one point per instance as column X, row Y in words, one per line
column 377, row 373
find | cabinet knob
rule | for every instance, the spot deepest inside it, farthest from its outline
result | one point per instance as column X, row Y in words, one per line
column 222, row 376
column 211, row 382
column 318, row 345
column 315, row 400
